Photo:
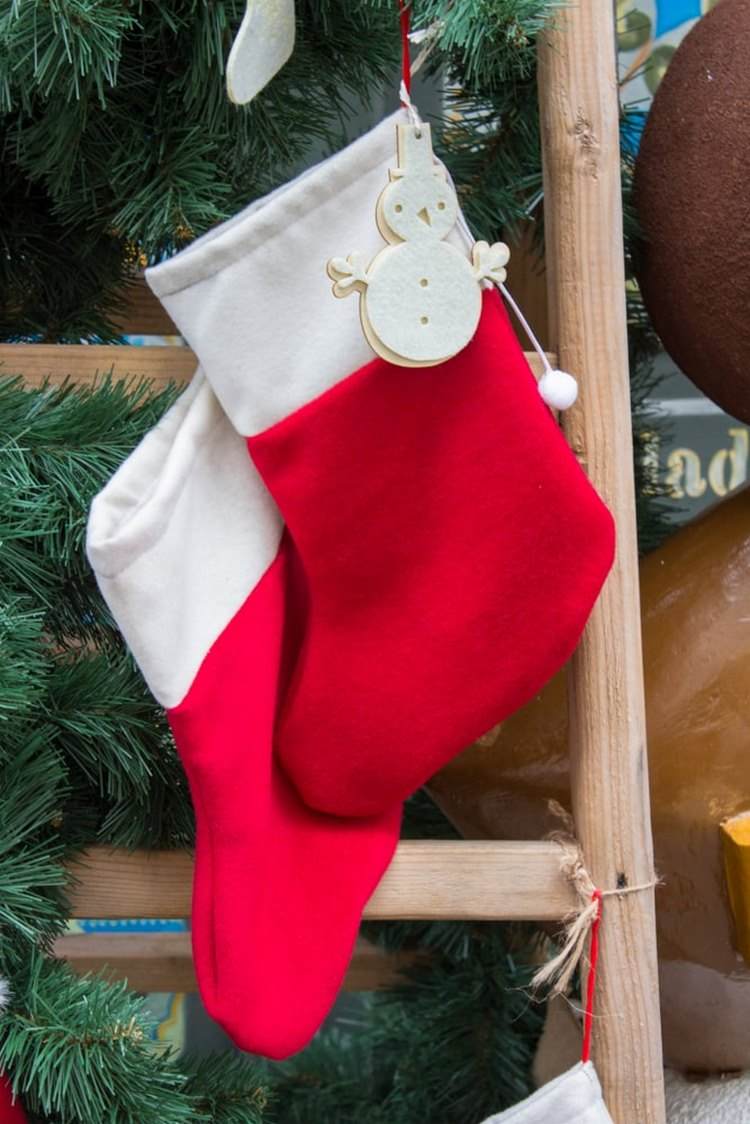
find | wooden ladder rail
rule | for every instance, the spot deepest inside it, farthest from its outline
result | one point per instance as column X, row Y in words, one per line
column 579, row 106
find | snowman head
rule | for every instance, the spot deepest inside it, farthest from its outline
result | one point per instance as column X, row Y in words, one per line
column 418, row 204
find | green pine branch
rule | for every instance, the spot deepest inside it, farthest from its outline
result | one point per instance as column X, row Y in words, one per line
column 22, row 662
column 228, row 1089
column 58, row 448
column 79, row 1052
column 489, row 43
column 62, row 48
column 32, row 878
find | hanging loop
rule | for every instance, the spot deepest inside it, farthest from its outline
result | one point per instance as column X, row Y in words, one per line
column 405, row 85
column 588, row 1014
column 405, row 12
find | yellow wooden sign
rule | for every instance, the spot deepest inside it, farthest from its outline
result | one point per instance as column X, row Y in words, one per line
column 735, row 838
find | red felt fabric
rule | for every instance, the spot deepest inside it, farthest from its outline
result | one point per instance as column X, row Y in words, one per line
column 279, row 888
column 11, row 1112
column 452, row 549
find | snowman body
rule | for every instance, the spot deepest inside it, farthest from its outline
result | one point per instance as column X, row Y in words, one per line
column 408, row 309
column 420, row 297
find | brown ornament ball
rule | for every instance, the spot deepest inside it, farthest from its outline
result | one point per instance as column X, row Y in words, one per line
column 692, row 194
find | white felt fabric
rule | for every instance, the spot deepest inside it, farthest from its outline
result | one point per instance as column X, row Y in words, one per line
column 179, row 537
column 715, row 1100
column 253, row 299
column 573, row 1098
column 422, row 302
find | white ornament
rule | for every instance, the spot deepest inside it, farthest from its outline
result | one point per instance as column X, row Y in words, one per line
column 420, row 297
column 263, row 44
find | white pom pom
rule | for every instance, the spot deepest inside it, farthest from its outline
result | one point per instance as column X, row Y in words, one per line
column 558, row 389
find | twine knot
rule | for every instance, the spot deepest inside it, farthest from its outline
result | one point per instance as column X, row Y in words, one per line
column 558, row 972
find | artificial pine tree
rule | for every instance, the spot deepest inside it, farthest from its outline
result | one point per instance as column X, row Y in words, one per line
column 84, row 755
column 119, row 146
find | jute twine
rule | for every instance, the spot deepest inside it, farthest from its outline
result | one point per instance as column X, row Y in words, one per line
column 556, row 974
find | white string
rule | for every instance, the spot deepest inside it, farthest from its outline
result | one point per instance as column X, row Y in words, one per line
column 410, row 107
column 527, row 329
column 521, row 318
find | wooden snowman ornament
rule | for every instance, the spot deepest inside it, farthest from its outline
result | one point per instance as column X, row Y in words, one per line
column 420, row 297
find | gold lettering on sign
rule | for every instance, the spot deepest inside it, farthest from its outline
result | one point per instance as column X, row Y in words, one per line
column 736, row 458
column 684, row 475
column 650, row 466
column 727, row 468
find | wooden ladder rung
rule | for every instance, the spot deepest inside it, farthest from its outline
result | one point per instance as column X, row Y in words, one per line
column 164, row 961
column 428, row 880
column 87, row 363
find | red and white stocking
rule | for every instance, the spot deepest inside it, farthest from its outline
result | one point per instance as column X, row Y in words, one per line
column 450, row 546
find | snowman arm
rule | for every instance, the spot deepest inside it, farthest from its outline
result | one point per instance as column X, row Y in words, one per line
column 348, row 274
column 490, row 261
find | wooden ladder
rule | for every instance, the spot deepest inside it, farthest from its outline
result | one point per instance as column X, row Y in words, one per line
column 497, row 880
